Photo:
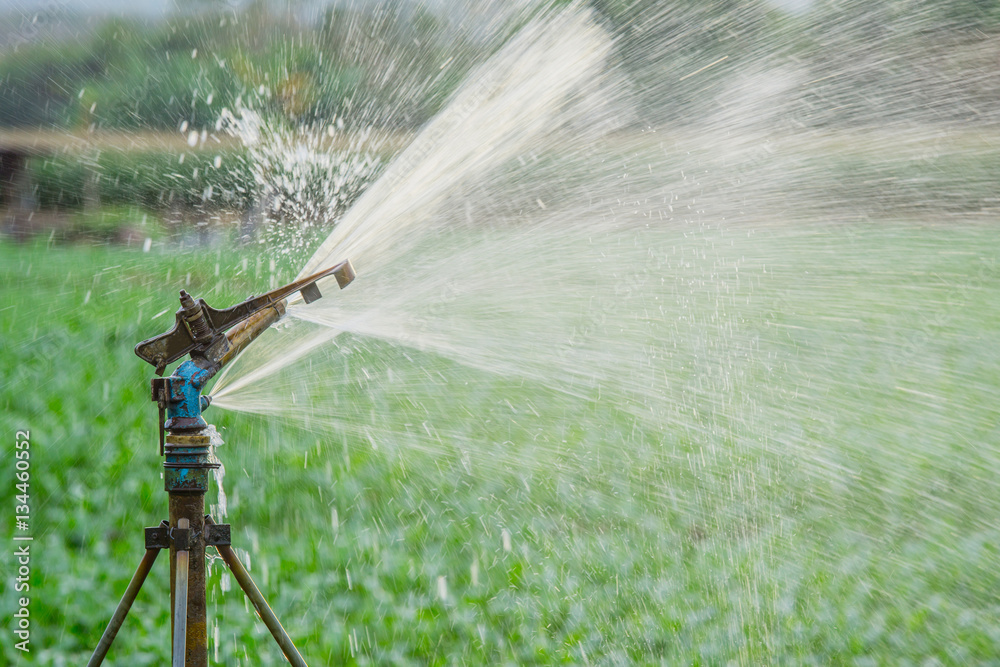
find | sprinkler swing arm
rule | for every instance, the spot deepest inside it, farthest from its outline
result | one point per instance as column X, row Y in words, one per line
column 212, row 338
column 199, row 329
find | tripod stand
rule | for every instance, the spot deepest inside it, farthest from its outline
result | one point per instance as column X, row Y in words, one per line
column 188, row 532
column 201, row 331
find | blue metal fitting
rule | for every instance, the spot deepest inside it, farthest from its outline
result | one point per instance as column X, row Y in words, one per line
column 184, row 401
column 189, row 459
column 187, row 447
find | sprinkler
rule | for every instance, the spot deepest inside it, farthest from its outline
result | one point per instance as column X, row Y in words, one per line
column 212, row 338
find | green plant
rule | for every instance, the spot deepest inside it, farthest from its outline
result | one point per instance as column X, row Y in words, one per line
column 847, row 514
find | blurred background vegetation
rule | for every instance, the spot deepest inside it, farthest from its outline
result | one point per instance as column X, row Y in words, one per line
column 384, row 61
column 131, row 73
column 391, row 64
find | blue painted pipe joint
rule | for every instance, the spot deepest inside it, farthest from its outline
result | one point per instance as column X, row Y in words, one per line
column 189, row 458
column 187, row 445
column 184, row 399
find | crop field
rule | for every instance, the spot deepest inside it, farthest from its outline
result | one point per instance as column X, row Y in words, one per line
column 830, row 497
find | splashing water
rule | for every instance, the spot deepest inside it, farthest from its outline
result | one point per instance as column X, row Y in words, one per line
column 220, row 508
column 690, row 335
column 503, row 239
column 303, row 174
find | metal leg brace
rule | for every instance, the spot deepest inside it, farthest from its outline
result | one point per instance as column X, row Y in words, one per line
column 161, row 537
column 259, row 603
column 122, row 611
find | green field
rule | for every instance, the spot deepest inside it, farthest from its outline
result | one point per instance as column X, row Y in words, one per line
column 833, row 502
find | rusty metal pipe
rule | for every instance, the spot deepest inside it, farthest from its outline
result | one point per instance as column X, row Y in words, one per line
column 188, row 565
column 248, row 330
column 123, row 607
column 260, row 604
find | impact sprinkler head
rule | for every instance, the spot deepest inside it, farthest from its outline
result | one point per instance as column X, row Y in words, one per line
column 213, row 338
column 201, row 331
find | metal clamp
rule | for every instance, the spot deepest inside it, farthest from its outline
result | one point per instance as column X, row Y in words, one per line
column 217, row 534
column 161, row 537
column 182, row 538
column 158, row 537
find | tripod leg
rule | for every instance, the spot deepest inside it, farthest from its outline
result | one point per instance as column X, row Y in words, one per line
column 122, row 611
column 181, row 598
column 260, row 604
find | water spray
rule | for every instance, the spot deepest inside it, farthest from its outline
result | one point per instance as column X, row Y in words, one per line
column 212, row 338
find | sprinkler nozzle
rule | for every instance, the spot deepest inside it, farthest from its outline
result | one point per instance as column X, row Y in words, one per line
column 248, row 330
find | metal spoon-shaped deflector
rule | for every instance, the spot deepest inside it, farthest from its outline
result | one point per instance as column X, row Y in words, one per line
column 200, row 329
